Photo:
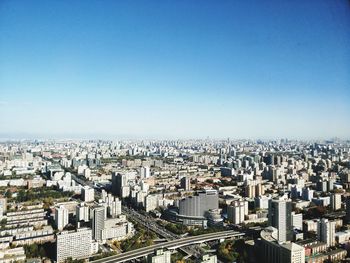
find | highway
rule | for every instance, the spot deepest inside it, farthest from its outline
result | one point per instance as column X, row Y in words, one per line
column 150, row 224
column 173, row 244
column 192, row 248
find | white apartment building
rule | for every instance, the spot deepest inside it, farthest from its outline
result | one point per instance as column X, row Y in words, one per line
column 297, row 221
column 83, row 213
column 74, row 244
column 88, row 194
column 61, row 217
column 236, row 211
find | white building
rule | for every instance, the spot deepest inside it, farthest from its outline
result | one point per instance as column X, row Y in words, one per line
column 82, row 213
column 88, row 194
column 274, row 251
column 87, row 173
column 335, row 201
column 114, row 205
column 160, row 257
column 145, row 172
column 74, row 244
column 151, row 202
column 297, row 221
column 117, row 229
column 236, row 211
column 262, row 202
column 61, row 217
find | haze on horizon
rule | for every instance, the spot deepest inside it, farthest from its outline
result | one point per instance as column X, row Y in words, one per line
column 176, row 69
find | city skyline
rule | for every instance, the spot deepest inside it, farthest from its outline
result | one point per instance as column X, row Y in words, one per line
column 174, row 69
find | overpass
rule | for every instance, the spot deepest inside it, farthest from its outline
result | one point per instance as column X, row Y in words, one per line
column 173, row 244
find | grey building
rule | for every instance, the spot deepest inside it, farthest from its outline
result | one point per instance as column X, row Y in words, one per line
column 280, row 217
column 198, row 204
column 98, row 222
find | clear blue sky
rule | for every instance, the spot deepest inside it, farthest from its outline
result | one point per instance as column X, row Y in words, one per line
column 177, row 69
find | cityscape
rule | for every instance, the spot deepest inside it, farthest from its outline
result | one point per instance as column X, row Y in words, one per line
column 174, row 131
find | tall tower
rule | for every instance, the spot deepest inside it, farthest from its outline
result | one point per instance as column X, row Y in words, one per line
column 118, row 182
column 236, row 211
column 280, row 217
column 326, row 231
column 98, row 222
column 185, row 183
column 61, row 217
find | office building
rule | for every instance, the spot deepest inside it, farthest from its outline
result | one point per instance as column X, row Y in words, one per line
column 61, row 217
column 198, row 204
column 280, row 217
column 98, row 222
column 193, row 210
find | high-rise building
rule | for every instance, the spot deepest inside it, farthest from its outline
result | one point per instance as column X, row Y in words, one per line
column 236, row 211
column 335, row 201
column 160, row 256
column 297, row 221
column 87, row 173
column 326, row 231
column 259, row 189
column 321, row 185
column 307, row 194
column 280, row 217
column 115, row 208
column 119, row 181
column 73, row 244
column 61, row 217
column 145, row 172
column 250, row 190
column 185, row 183
column 98, row 219
column 88, row 194
column 82, row 213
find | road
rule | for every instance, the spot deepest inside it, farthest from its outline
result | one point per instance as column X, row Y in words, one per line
column 173, row 244
column 150, row 224
column 146, row 221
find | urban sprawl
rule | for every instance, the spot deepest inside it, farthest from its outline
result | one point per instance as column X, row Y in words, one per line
column 175, row 201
